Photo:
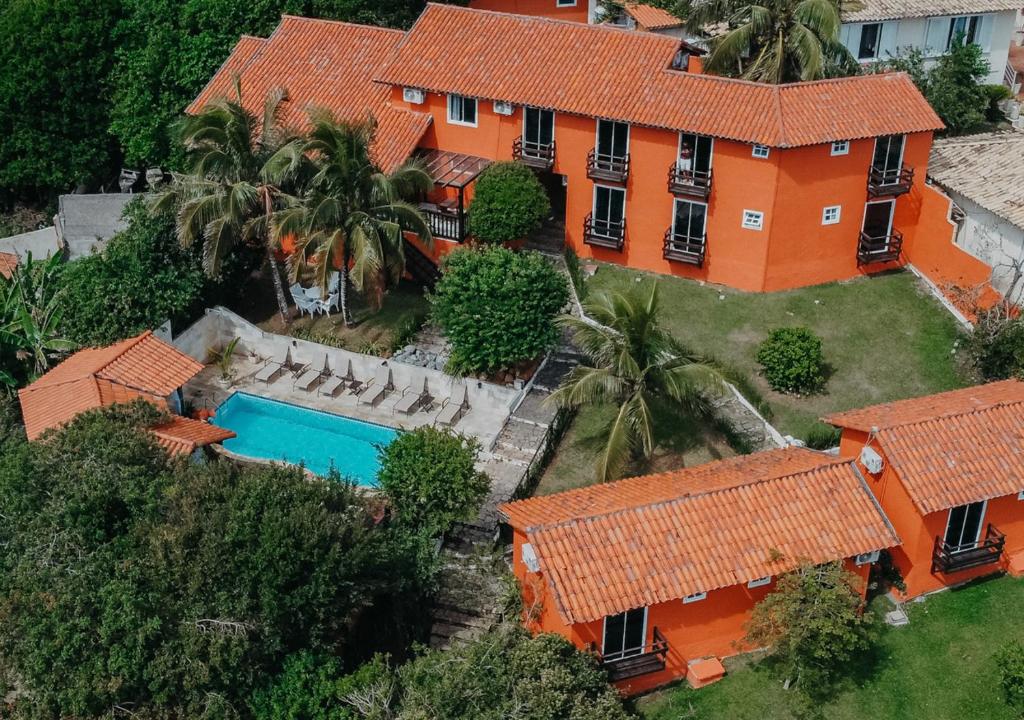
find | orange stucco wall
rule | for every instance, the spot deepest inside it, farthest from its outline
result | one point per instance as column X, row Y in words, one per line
column 917, row 533
column 713, row 627
column 791, row 187
column 542, row 8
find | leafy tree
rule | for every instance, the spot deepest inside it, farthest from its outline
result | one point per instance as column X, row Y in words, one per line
column 508, row 203
column 1010, row 661
column 634, row 363
column 792, row 361
column 775, row 41
column 56, row 57
column 350, row 212
column 996, row 343
column 814, row 623
column 497, row 307
column 431, row 479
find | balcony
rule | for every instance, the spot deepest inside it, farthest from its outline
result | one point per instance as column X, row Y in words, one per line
column 603, row 233
column 445, row 222
column 685, row 248
column 639, row 661
column 611, row 168
column 536, row 155
column 890, row 183
column 690, row 183
column 946, row 559
column 879, row 249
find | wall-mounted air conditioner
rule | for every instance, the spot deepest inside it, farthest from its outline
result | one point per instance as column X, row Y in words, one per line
column 414, row 96
column 502, row 108
column 871, row 460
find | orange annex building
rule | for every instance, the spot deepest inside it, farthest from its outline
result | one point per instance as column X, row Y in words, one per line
column 648, row 162
column 658, row 575
column 948, row 470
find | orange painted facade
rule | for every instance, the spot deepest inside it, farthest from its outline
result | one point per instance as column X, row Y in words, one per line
column 577, row 11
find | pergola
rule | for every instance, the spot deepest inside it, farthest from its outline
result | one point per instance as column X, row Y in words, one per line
column 450, row 170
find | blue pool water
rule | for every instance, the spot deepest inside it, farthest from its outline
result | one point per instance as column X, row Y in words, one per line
column 273, row 430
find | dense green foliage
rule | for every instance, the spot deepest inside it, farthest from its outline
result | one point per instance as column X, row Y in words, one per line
column 508, row 203
column 792, row 361
column 54, row 108
column 497, row 307
column 142, row 278
column 175, row 589
column 997, row 345
column 428, row 474
column 814, row 624
column 1010, row 661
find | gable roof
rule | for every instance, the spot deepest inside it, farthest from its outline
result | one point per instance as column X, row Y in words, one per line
column 608, row 72
column 8, row 261
column 637, row 542
column 322, row 63
column 986, row 169
column 867, row 10
column 181, row 436
column 650, row 17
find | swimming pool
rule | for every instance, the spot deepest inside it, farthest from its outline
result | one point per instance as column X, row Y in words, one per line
column 274, row 430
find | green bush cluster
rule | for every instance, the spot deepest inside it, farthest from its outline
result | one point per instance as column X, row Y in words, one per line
column 1010, row 661
column 792, row 361
column 497, row 307
column 508, row 203
column 996, row 345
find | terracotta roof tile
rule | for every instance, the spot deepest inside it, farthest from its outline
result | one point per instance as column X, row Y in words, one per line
column 608, row 72
column 652, row 18
column 322, row 63
column 8, row 261
column 930, row 407
column 181, row 436
column 659, row 538
column 985, row 168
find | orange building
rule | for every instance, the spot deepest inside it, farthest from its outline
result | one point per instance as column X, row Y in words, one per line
column 658, row 575
column 648, row 163
column 948, row 470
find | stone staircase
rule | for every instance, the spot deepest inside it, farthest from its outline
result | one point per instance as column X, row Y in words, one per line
column 549, row 240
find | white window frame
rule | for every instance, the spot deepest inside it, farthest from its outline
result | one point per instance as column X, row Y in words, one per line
column 981, row 526
column 476, row 105
column 759, row 582
column 679, row 148
column 878, row 43
column 597, row 133
column 604, row 634
column 867, row 558
column 1020, row 495
column 612, row 188
column 892, row 213
column 565, row 3
column 840, row 147
column 752, row 220
column 695, row 597
column 825, row 220
column 761, row 152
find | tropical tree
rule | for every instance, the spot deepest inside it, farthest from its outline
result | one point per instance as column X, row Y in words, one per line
column 226, row 197
column 352, row 214
column 635, row 364
column 773, row 41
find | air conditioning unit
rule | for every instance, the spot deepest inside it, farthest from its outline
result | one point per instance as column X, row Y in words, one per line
column 414, row 96
column 502, row 108
column 530, row 558
column 867, row 558
column 871, row 460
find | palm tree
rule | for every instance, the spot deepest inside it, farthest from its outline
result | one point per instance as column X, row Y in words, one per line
column 635, row 364
column 351, row 212
column 225, row 198
column 774, row 41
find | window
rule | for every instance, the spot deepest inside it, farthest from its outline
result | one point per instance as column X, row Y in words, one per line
column 538, row 129
column 830, row 215
column 696, row 597
column 753, row 220
column 887, row 162
column 565, row 3
column 870, row 35
column 867, row 558
column 609, row 210
column 963, row 528
column 530, row 559
column 965, row 29
column 612, row 140
column 841, row 147
column 689, row 220
column 695, row 154
column 759, row 582
column 760, row 151
column 461, row 110
column 624, row 634
column 1020, row 495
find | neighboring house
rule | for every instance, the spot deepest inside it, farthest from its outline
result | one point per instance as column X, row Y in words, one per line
column 948, row 470
column 141, row 367
column 84, row 223
column 646, row 18
column 876, row 30
column 658, row 575
column 582, row 11
column 984, row 176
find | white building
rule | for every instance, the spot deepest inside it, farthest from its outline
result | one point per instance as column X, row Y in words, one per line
column 876, row 30
column 984, row 176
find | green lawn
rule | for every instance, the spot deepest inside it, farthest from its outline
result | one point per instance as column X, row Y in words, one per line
column 884, row 337
column 939, row 667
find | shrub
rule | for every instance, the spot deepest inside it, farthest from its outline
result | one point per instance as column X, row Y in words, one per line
column 996, row 345
column 823, row 437
column 508, row 203
column 792, row 361
column 497, row 307
column 430, row 478
column 1010, row 661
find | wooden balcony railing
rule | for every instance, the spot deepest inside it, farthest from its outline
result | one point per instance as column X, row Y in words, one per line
column 603, row 233
column 888, row 183
column 445, row 223
column 637, row 661
column 613, row 168
column 989, row 550
column 685, row 248
column 534, row 154
column 880, row 249
column 693, row 183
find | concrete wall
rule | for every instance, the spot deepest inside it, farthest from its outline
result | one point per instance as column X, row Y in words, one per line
column 994, row 241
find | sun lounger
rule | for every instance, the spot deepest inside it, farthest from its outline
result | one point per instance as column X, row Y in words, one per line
column 378, row 389
column 336, row 381
column 412, row 397
column 453, row 408
column 280, row 361
column 315, row 372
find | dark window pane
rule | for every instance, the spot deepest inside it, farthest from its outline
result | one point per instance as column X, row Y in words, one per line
column 614, row 626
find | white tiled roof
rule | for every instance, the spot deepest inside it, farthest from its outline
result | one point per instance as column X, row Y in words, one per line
column 987, row 169
column 868, row 10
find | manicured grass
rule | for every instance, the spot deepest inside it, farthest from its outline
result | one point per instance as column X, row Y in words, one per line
column 939, row 667
column 884, row 337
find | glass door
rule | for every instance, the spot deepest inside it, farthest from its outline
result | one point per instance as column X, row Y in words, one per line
column 695, row 154
column 538, row 128
column 612, row 140
column 878, row 219
column 964, row 527
column 888, row 159
column 609, row 210
column 689, row 222
column 624, row 634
